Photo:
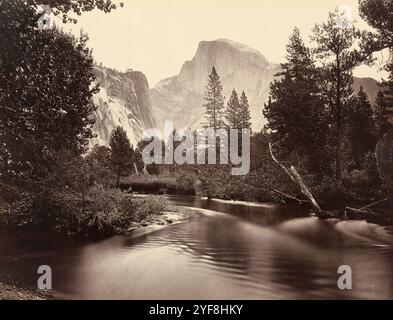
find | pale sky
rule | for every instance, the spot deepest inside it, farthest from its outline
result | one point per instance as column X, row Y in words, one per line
column 158, row 36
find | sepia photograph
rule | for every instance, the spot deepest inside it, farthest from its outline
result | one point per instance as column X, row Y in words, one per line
column 196, row 150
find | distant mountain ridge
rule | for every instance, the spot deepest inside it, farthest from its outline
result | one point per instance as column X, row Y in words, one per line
column 240, row 67
column 180, row 98
column 126, row 100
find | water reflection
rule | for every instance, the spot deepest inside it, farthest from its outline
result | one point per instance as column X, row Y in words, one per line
column 255, row 252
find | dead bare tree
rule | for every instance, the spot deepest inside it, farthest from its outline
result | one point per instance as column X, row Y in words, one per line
column 298, row 180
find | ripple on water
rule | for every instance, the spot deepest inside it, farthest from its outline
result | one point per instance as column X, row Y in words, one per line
column 265, row 253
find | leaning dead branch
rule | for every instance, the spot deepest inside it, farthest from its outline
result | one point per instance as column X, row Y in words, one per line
column 297, row 179
column 360, row 211
column 365, row 211
column 285, row 195
column 374, row 204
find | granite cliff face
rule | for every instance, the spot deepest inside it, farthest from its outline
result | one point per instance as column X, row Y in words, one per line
column 124, row 101
column 180, row 98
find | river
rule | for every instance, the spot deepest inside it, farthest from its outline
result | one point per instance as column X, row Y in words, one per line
column 226, row 251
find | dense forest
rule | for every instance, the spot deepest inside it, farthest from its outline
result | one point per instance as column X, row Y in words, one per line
column 337, row 140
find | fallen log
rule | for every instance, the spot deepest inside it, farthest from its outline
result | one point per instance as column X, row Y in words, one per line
column 297, row 179
column 289, row 196
column 374, row 204
column 136, row 169
column 305, row 189
column 361, row 211
column 365, row 211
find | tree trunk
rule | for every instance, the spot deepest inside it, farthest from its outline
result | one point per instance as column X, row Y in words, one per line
column 362, row 211
column 83, row 203
column 118, row 181
column 338, row 121
column 305, row 190
column 136, row 169
column 289, row 196
column 297, row 179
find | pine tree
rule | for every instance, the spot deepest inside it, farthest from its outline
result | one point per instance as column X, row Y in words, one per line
column 379, row 15
column 233, row 112
column 335, row 41
column 296, row 110
column 388, row 85
column 382, row 115
column 122, row 154
column 361, row 129
column 245, row 117
column 389, row 82
column 214, row 101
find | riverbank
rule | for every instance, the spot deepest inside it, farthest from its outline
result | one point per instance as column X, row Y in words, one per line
column 170, row 216
column 156, row 184
column 12, row 292
column 235, row 247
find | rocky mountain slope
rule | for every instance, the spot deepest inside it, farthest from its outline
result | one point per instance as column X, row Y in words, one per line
column 180, row 98
column 123, row 100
